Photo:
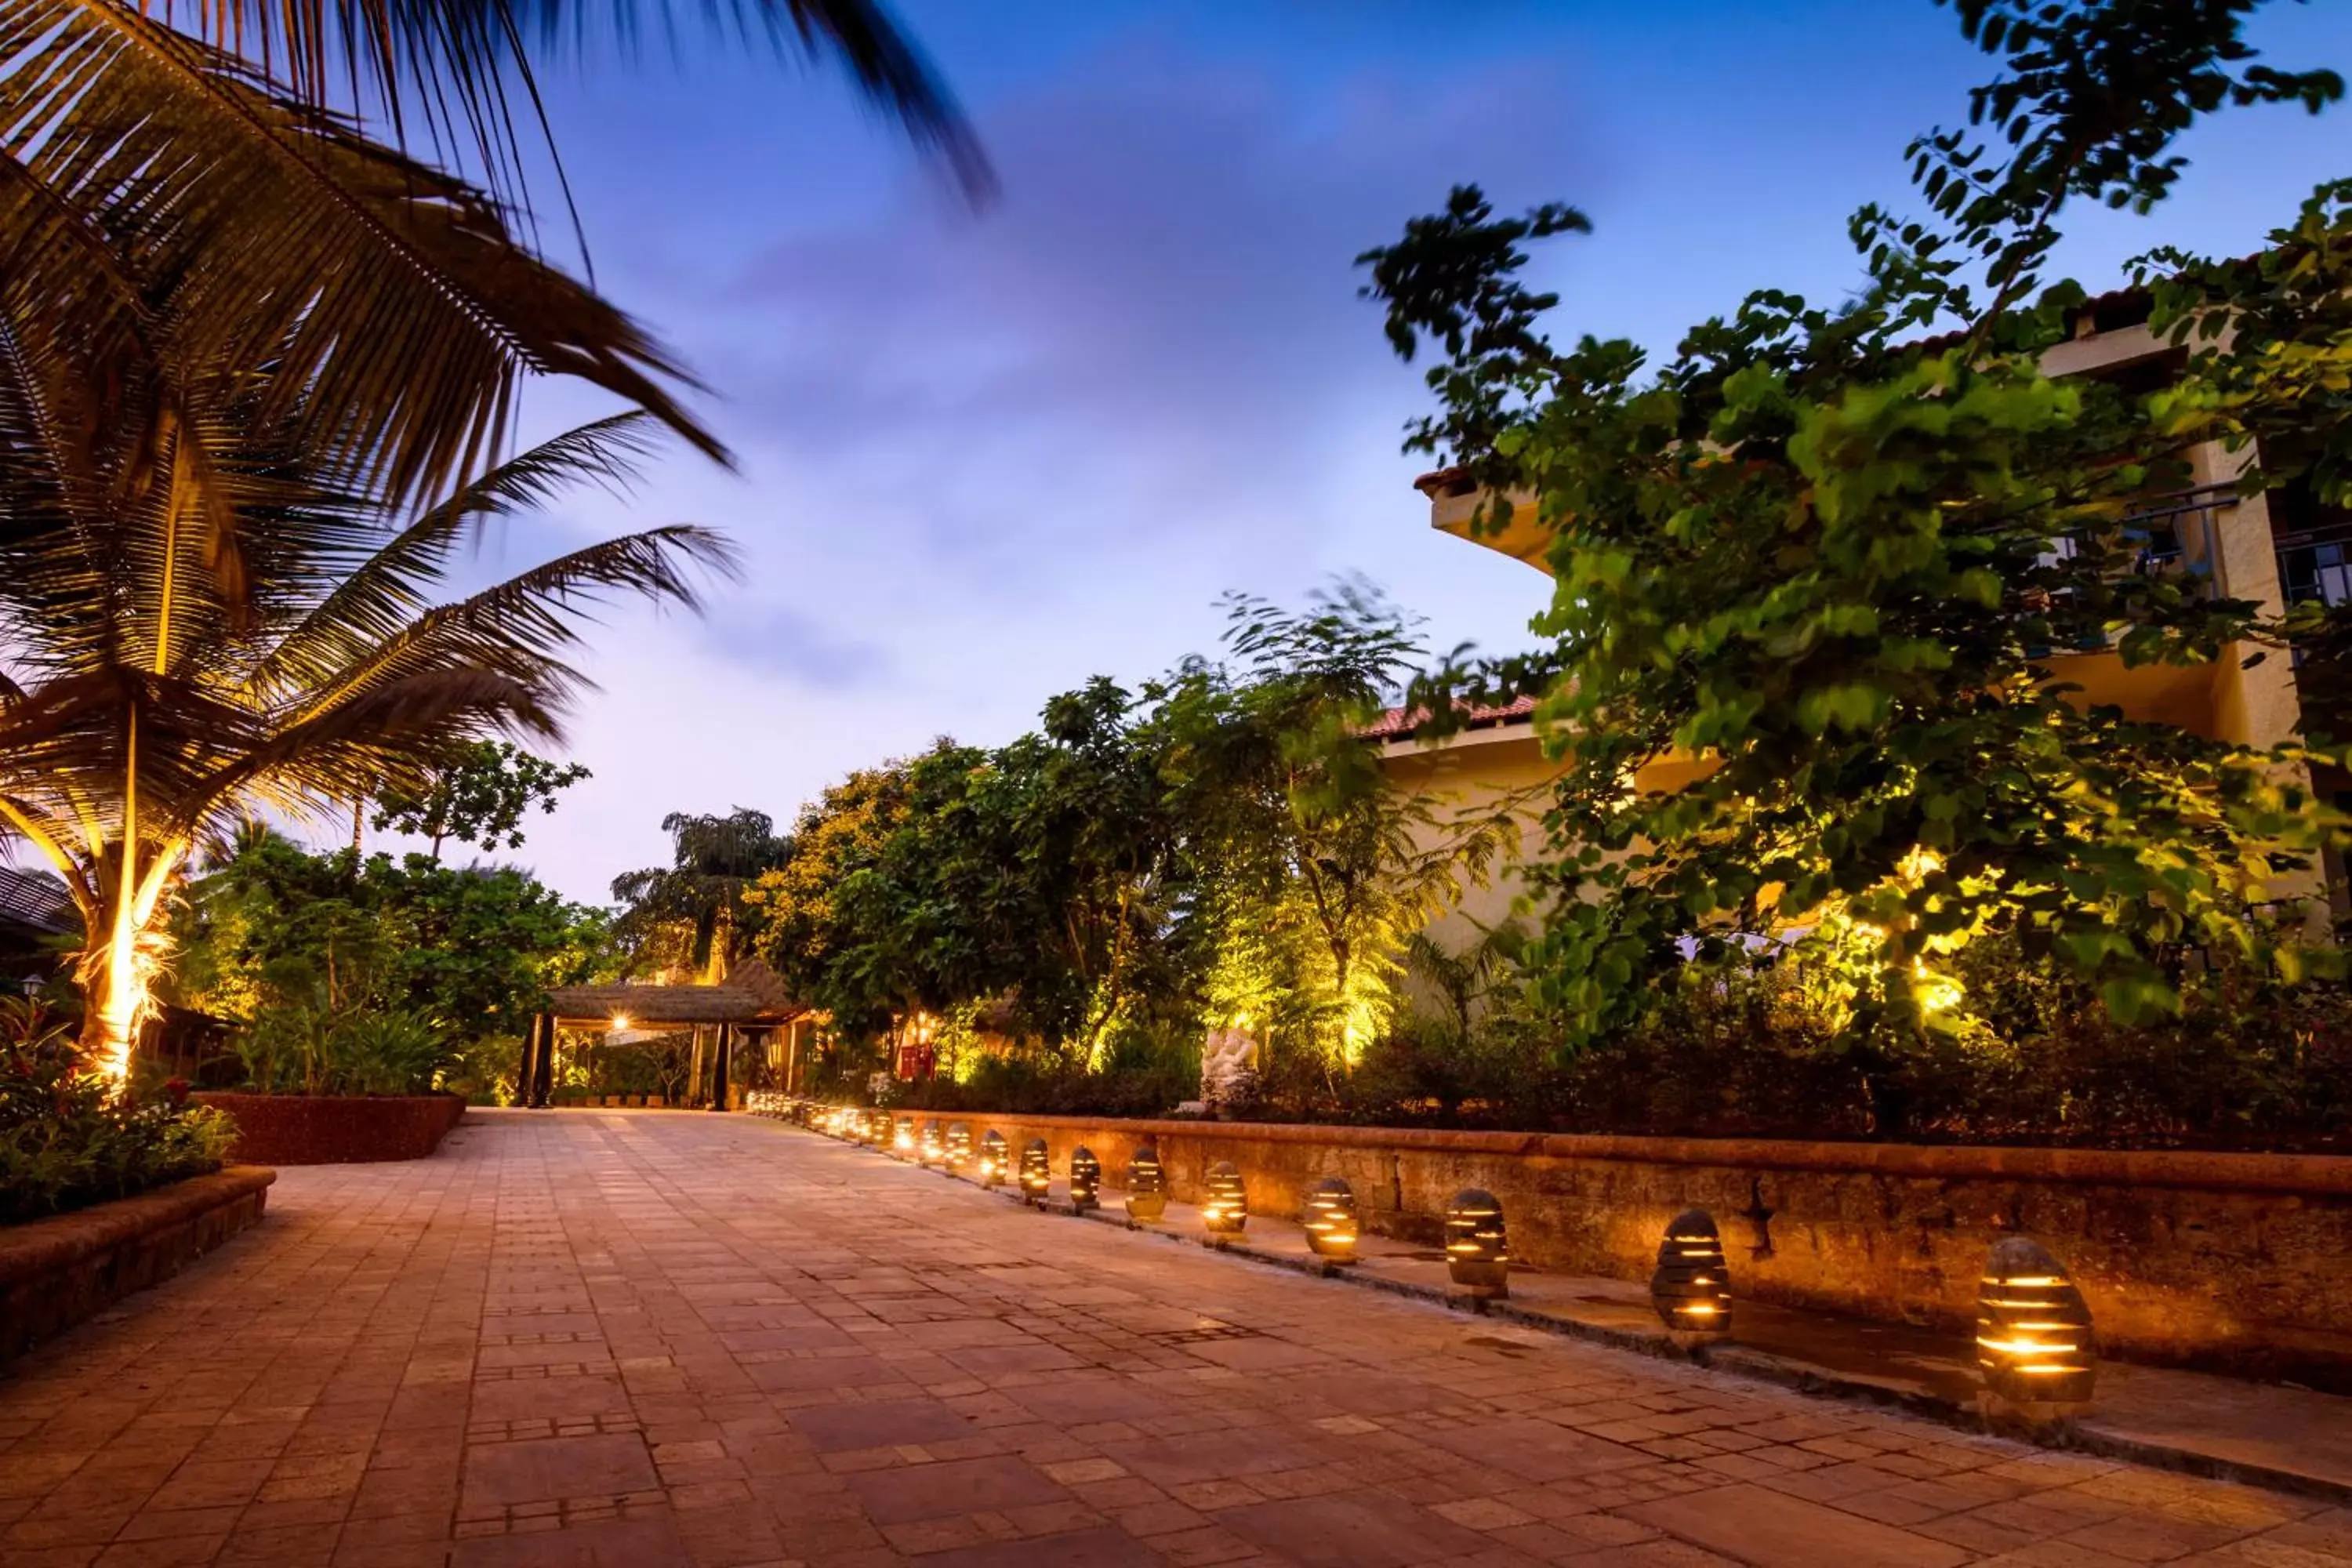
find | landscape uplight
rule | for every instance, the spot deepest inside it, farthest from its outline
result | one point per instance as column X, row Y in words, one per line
column 1224, row 1206
column 2033, row 1332
column 1692, row 1287
column 1330, row 1220
column 1086, row 1180
column 1147, row 1184
column 1036, row 1171
column 1477, row 1249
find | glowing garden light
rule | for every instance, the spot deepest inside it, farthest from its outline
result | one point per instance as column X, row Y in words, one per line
column 1225, row 1207
column 1330, row 1220
column 878, row 1129
column 1477, row 1249
column 1692, row 1287
column 959, row 1148
column 2033, row 1332
column 931, row 1145
column 1146, row 1185
column 992, row 1157
column 1036, row 1171
column 902, row 1138
column 1086, row 1180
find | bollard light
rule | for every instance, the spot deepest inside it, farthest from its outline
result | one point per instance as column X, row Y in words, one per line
column 993, row 1157
column 2033, row 1332
column 1330, row 1220
column 879, row 1128
column 1086, row 1180
column 1692, row 1287
column 958, row 1151
column 902, row 1138
column 930, row 1144
column 1036, row 1171
column 1225, row 1207
column 1147, row 1184
column 1477, row 1250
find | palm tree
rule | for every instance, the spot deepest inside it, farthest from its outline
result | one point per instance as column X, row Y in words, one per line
column 699, row 894
column 148, row 707
column 239, row 340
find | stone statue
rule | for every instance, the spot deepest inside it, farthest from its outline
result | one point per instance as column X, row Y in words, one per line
column 1228, row 1069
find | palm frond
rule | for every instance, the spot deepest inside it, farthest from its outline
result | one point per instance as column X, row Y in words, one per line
column 520, row 627
column 454, row 64
column 378, row 598
column 392, row 305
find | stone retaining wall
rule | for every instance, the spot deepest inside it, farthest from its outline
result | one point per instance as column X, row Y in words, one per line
column 2241, row 1262
column 57, row 1272
column 335, row 1129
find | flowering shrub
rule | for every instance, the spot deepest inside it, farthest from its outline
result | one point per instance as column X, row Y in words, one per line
column 65, row 1141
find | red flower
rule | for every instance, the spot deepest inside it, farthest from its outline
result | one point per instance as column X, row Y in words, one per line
column 176, row 1091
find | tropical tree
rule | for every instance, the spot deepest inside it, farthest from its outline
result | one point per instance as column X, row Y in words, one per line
column 696, row 898
column 481, row 798
column 150, row 702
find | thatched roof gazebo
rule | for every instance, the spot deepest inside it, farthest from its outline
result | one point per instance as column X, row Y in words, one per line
column 751, row 999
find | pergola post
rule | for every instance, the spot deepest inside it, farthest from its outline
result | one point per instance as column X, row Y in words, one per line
column 528, row 1075
column 542, row 1088
column 726, row 1048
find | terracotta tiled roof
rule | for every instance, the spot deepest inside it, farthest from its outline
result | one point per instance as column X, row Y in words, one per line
column 1397, row 722
column 751, row 993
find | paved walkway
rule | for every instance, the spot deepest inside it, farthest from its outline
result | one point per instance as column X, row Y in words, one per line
column 632, row 1340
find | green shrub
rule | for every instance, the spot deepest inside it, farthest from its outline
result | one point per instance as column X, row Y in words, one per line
column 310, row 1047
column 65, row 1142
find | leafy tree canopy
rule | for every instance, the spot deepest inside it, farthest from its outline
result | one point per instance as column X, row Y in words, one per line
column 1820, row 570
column 479, row 798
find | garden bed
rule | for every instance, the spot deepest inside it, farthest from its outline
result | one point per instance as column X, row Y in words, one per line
column 336, row 1129
column 59, row 1271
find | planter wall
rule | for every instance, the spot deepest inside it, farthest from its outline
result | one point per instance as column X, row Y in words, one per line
column 2235, row 1262
column 57, row 1272
column 336, row 1129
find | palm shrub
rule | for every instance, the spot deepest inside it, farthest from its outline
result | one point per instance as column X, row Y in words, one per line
column 150, row 705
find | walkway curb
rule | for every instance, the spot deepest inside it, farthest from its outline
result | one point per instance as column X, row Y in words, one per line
column 1801, row 1377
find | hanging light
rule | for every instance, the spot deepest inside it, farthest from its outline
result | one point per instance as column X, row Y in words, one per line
column 958, row 1150
column 1692, row 1287
column 993, row 1157
column 1330, row 1220
column 931, row 1145
column 1224, row 1209
column 1086, row 1180
column 1477, row 1250
column 1147, row 1184
column 2033, row 1332
column 1036, row 1171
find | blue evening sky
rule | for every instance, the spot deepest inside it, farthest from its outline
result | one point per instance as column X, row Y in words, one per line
column 986, row 456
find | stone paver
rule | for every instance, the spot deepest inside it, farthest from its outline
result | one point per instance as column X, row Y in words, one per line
column 643, row 1340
